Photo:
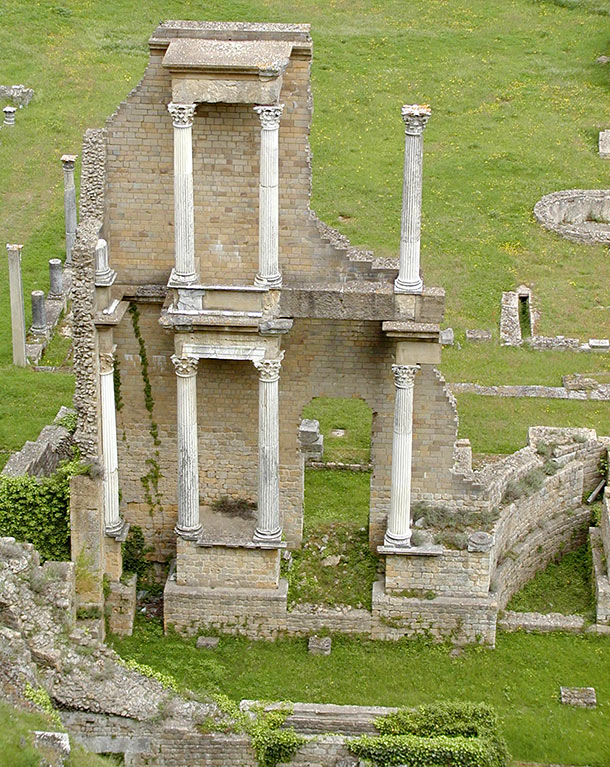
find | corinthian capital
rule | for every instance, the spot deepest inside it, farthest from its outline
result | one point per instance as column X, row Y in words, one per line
column 182, row 114
column 106, row 363
column 404, row 375
column 270, row 116
column 68, row 161
column 415, row 117
column 185, row 366
column 269, row 370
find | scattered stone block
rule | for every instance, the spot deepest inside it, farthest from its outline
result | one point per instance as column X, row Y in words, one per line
column 579, row 696
column 207, row 643
column 331, row 561
column 337, row 433
column 446, row 337
column 599, row 343
column 480, row 541
column 53, row 746
column 319, row 645
column 604, row 143
column 478, row 336
column 603, row 59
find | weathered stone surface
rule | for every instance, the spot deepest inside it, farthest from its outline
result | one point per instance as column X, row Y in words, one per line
column 543, row 622
column 54, row 746
column 478, row 336
column 604, row 143
column 18, row 94
column 583, row 697
column 207, row 643
column 446, row 337
column 582, row 215
column 319, row 645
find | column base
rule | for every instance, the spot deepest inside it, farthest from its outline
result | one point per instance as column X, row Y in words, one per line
column 266, row 536
column 177, row 279
column 268, row 281
column 188, row 533
column 118, row 530
column 402, row 286
column 394, row 542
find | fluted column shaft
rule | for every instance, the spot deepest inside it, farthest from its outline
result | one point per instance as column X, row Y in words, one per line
column 399, row 520
column 188, row 455
column 68, row 161
column 112, row 519
column 184, row 212
column 268, row 207
column 415, row 118
column 269, row 526
column 17, row 307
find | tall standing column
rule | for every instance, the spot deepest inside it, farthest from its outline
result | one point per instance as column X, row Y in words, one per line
column 68, row 161
column 268, row 527
column 415, row 118
column 112, row 520
column 184, row 212
column 188, row 455
column 17, row 308
column 398, row 533
column 269, row 275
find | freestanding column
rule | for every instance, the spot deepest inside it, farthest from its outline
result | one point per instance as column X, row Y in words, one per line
column 188, row 462
column 268, row 202
column 398, row 533
column 68, row 161
column 56, row 289
column 415, row 118
column 184, row 214
column 268, row 527
column 17, row 308
column 9, row 115
column 39, row 313
column 112, row 521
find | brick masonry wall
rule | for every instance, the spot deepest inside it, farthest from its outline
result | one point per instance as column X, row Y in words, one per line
column 227, row 567
column 453, row 573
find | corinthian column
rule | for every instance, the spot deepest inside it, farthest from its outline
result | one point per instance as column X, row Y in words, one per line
column 68, row 161
column 415, row 118
column 112, row 521
column 398, row 533
column 268, row 527
column 184, row 214
column 268, row 203
column 188, row 461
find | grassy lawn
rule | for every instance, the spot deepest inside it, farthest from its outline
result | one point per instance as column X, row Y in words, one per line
column 499, row 425
column 335, row 525
column 521, row 678
column 354, row 416
column 16, row 741
column 563, row 587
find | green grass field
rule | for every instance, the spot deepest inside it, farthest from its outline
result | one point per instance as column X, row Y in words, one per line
column 520, row 678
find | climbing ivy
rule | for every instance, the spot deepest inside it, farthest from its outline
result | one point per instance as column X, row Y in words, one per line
column 150, row 480
column 116, row 377
column 38, row 510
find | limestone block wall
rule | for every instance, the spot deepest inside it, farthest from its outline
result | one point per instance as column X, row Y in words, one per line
column 226, row 142
column 452, row 573
column 227, row 566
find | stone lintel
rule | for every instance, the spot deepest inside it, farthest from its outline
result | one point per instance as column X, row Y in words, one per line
column 230, row 30
column 244, row 544
column 412, row 551
column 418, row 352
column 408, row 329
column 266, row 58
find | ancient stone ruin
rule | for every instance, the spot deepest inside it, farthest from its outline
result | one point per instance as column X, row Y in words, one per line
column 211, row 306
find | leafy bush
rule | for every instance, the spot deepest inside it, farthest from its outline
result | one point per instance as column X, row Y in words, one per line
column 451, row 734
column 38, row 510
column 134, row 553
column 528, row 484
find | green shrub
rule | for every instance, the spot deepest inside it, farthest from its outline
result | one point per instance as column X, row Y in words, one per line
column 134, row 553
column 442, row 718
column 38, row 510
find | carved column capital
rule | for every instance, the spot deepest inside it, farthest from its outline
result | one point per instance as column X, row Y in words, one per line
column 415, row 118
column 185, row 366
column 404, row 375
column 68, row 161
column 269, row 370
column 270, row 116
column 106, row 363
column 182, row 114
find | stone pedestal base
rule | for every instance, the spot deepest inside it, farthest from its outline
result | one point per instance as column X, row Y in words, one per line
column 255, row 613
column 121, row 606
column 463, row 620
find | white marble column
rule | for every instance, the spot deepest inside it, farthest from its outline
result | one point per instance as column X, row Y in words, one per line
column 112, row 521
column 269, row 275
column 415, row 118
column 268, row 527
column 188, row 455
column 68, row 161
column 398, row 533
column 17, row 308
column 184, row 212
